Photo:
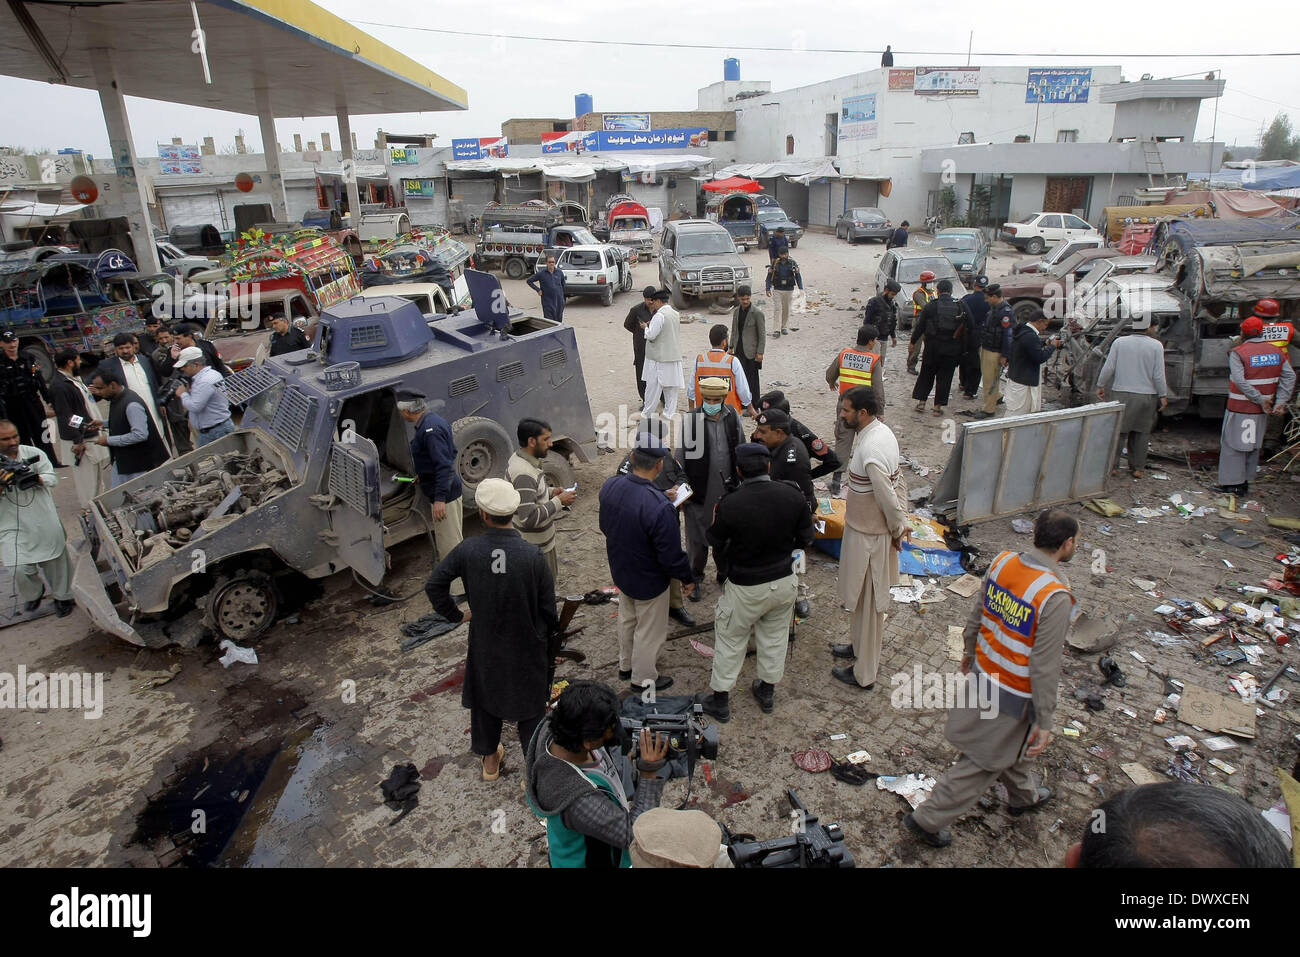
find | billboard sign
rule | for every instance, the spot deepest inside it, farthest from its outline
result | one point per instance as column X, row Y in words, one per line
column 418, row 188
column 402, row 156
column 482, row 148
column 1058, row 86
column 947, row 80
column 627, row 122
column 901, row 81
column 612, row 140
column 858, row 117
column 176, row 159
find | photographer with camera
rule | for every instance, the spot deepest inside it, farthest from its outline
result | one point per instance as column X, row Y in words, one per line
column 574, row 782
column 204, row 399
column 77, row 416
column 32, row 540
column 164, row 358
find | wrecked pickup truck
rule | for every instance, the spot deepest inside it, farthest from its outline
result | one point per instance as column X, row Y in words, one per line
column 312, row 483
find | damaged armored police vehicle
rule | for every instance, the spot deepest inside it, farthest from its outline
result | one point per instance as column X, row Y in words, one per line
column 316, row 479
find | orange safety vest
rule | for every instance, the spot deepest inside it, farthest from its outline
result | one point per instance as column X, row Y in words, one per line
column 1279, row 334
column 856, row 367
column 926, row 295
column 1262, row 365
column 717, row 363
column 1014, row 593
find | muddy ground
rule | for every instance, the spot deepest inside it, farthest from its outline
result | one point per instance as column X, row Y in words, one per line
column 281, row 761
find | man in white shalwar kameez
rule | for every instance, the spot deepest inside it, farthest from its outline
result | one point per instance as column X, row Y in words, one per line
column 875, row 527
column 662, row 371
column 32, row 540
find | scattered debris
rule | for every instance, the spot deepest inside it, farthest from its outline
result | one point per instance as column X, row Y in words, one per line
column 1139, row 774
column 966, row 586
column 1107, row 508
column 1218, row 713
column 1223, row 766
column 235, row 653
column 1022, row 525
column 702, row 648
column 913, row 788
column 159, row 679
column 813, row 760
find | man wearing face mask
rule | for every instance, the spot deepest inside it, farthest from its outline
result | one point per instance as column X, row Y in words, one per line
column 579, row 786
column 1014, row 637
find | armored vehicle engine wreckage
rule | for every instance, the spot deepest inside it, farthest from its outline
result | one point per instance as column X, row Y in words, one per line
column 312, row 483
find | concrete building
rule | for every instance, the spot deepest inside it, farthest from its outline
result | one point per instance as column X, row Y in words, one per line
column 1032, row 138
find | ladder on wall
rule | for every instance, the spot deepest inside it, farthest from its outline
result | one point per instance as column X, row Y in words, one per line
column 1154, row 162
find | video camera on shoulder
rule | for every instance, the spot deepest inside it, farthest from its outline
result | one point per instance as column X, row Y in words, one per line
column 686, row 733
column 813, row 844
column 168, row 388
column 18, row 474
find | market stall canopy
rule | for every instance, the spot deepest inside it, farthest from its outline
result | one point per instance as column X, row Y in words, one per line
column 1258, row 178
column 802, row 171
column 307, row 60
column 366, row 172
column 43, row 211
column 1231, row 203
column 577, row 170
column 733, row 184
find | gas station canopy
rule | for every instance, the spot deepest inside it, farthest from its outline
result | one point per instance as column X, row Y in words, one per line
column 306, row 60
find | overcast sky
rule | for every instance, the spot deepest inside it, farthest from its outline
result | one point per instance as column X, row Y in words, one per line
column 519, row 78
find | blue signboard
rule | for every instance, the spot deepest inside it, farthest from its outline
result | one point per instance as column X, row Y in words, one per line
column 480, row 148
column 600, row 141
column 1058, row 86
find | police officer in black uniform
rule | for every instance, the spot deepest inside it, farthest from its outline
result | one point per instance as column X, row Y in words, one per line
column 817, row 449
column 977, row 304
column 882, row 312
column 942, row 326
column 22, row 390
column 995, row 347
column 789, row 464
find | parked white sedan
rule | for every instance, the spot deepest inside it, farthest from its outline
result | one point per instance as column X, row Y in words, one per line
column 1037, row 231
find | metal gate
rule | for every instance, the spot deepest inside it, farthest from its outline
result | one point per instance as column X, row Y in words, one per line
column 1006, row 466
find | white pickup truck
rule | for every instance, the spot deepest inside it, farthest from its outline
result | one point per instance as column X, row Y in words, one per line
column 600, row 270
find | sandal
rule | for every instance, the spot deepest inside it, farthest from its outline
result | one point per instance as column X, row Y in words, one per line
column 501, row 763
column 938, row 411
column 1138, row 473
column 920, row 407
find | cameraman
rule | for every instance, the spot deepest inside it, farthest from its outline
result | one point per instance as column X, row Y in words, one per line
column 204, row 400
column 164, row 360
column 574, row 783
column 32, row 540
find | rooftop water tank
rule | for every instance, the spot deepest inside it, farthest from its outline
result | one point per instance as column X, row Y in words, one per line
column 582, row 105
column 731, row 69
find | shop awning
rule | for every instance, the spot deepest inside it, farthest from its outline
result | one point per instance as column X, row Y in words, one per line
column 368, row 172
column 733, row 184
column 796, row 170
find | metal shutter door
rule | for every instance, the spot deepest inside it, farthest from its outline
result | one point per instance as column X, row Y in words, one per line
column 191, row 209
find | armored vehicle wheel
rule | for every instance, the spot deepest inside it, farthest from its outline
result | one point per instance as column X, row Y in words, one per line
column 1035, row 246
column 516, row 268
column 1026, row 311
column 242, row 605
column 482, row 450
column 607, row 296
column 558, row 471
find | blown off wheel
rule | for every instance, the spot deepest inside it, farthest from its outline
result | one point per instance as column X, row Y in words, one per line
column 243, row 606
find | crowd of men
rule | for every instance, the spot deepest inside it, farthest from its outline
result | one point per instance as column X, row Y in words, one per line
column 748, row 503
column 157, row 396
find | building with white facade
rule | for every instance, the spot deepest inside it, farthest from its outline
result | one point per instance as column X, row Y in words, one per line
column 1069, row 139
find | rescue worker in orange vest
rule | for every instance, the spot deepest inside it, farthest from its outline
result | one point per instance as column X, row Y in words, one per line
column 1280, row 332
column 718, row 363
column 920, row 299
column 1002, row 714
column 854, row 366
column 1260, row 381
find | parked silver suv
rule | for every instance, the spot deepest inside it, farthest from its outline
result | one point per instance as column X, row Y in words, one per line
column 698, row 260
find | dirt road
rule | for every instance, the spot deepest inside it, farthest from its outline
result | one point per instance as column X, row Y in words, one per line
column 280, row 762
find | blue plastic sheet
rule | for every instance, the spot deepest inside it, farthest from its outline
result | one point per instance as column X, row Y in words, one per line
column 913, row 560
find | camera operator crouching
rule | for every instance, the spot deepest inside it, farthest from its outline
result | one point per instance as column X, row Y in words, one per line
column 574, row 782
column 32, row 540
column 204, row 400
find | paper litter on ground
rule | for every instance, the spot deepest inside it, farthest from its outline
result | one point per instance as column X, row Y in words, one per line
column 966, row 586
column 913, row 788
column 1139, row 774
column 956, row 643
